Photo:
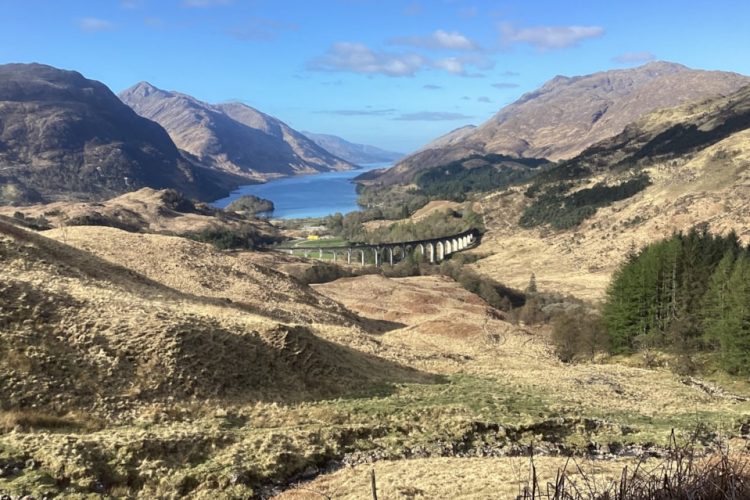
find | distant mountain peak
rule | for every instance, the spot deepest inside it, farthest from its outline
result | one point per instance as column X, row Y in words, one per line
column 355, row 153
column 568, row 114
column 231, row 136
column 143, row 89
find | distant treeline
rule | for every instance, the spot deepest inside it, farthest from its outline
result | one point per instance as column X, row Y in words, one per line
column 562, row 207
column 441, row 223
column 688, row 293
column 456, row 180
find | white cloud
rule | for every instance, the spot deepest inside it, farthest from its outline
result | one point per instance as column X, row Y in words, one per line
column 548, row 37
column 634, row 57
column 359, row 58
column 484, row 99
column 93, row 24
column 439, row 40
column 451, row 65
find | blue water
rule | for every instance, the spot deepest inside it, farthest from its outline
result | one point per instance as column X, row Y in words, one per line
column 314, row 195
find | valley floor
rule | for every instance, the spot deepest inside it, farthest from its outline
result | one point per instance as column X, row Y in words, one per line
column 416, row 374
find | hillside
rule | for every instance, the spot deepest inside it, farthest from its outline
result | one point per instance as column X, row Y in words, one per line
column 231, row 137
column 167, row 325
column 568, row 114
column 697, row 158
column 66, row 137
column 144, row 365
column 146, row 210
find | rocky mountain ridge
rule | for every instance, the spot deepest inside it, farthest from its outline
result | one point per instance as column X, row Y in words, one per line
column 354, row 153
column 231, row 137
column 63, row 136
column 568, row 114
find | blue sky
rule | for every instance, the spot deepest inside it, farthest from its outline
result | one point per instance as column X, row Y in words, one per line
column 391, row 73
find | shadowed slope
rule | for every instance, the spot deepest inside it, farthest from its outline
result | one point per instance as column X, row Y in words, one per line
column 79, row 331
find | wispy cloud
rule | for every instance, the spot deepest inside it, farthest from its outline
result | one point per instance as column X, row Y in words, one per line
column 634, row 57
column 260, row 30
column 451, row 65
column 432, row 116
column 431, row 86
column 153, row 22
column 130, row 4
column 505, row 85
column 468, row 12
column 548, row 37
column 357, row 112
column 413, row 9
column 358, row 58
column 205, row 3
column 484, row 99
column 508, row 74
column 439, row 40
column 94, row 24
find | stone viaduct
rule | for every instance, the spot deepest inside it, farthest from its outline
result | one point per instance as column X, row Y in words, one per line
column 434, row 250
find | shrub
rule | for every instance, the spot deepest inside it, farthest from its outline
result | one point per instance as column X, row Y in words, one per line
column 245, row 237
column 578, row 335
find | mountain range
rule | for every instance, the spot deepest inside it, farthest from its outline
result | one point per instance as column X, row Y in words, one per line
column 568, row 114
column 63, row 135
column 355, row 153
column 231, row 137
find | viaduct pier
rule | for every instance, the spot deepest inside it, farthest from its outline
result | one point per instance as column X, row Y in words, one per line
column 433, row 250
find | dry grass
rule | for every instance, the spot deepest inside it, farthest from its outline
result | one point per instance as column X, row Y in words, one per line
column 210, row 397
column 34, row 420
column 467, row 478
column 703, row 189
column 142, row 210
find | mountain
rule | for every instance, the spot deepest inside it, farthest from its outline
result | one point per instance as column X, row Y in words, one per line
column 669, row 134
column 64, row 136
column 567, row 115
column 231, row 137
column 696, row 158
column 355, row 153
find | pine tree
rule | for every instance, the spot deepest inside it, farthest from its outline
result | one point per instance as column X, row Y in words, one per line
column 715, row 304
column 531, row 287
column 734, row 338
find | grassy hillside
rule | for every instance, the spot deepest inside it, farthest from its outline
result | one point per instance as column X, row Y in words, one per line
column 151, row 364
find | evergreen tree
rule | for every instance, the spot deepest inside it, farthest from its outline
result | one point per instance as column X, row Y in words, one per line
column 531, row 287
column 734, row 338
column 715, row 307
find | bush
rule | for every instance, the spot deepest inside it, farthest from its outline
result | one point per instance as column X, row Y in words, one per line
column 579, row 335
column 244, row 237
column 177, row 201
column 36, row 223
column 251, row 204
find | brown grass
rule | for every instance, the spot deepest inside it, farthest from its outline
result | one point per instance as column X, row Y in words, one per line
column 580, row 261
column 36, row 420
